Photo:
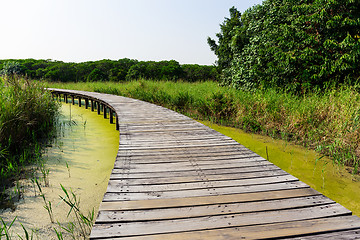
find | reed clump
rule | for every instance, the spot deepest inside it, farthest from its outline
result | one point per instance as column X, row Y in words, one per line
column 27, row 116
column 328, row 121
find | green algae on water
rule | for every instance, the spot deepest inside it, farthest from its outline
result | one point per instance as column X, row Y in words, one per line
column 308, row 166
column 81, row 159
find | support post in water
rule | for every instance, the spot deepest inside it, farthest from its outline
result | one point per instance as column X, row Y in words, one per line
column 111, row 116
column 86, row 103
column 65, row 98
column 72, row 100
column 98, row 108
column 79, row 101
column 92, row 105
column 117, row 122
column 104, row 110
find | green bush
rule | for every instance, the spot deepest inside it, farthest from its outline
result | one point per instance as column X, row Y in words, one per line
column 27, row 115
column 295, row 45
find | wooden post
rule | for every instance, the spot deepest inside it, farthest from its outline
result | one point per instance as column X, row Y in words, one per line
column 98, row 108
column 111, row 116
column 79, row 101
column 72, row 100
column 65, row 98
column 117, row 122
column 104, row 110
column 92, row 105
column 86, row 103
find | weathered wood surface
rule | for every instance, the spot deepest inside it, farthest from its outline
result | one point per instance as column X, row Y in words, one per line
column 175, row 178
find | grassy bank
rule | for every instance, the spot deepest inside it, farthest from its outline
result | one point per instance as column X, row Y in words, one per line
column 328, row 121
column 27, row 115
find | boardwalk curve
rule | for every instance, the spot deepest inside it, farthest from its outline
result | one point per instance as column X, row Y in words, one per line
column 175, row 178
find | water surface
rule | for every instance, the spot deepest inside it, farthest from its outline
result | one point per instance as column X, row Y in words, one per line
column 317, row 171
column 81, row 159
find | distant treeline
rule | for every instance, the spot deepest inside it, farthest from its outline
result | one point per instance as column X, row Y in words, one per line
column 108, row 70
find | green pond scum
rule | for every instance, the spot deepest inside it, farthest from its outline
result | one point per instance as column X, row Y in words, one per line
column 308, row 166
column 80, row 161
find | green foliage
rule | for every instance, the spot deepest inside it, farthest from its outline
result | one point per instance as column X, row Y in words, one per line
column 163, row 70
column 27, row 115
column 83, row 223
column 96, row 75
column 107, row 70
column 231, row 39
column 297, row 45
column 11, row 68
column 196, row 73
column 5, row 229
column 220, row 106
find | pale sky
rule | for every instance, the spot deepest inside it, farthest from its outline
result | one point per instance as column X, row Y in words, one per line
column 89, row 30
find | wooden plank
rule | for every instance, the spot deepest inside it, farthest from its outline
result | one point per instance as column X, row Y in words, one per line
column 164, row 144
column 161, row 130
column 266, row 167
column 208, row 200
column 266, row 231
column 245, row 160
column 185, row 158
column 150, row 179
column 175, row 146
column 211, row 191
column 176, row 151
column 216, row 222
column 155, row 139
column 341, row 235
column 190, row 166
column 118, row 185
column 210, row 210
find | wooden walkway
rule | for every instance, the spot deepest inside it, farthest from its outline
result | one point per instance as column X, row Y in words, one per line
column 175, row 178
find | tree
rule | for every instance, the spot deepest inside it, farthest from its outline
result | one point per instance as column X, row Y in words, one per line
column 298, row 45
column 11, row 68
column 96, row 75
column 231, row 39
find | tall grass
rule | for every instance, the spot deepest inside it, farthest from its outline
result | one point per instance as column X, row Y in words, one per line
column 327, row 121
column 27, row 115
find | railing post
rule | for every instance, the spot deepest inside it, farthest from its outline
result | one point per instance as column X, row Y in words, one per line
column 98, row 108
column 104, row 110
column 117, row 122
column 111, row 116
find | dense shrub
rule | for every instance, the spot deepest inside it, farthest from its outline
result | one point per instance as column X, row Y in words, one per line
column 27, row 115
column 295, row 45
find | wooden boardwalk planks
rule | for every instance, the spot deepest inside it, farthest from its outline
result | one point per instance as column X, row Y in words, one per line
column 175, row 178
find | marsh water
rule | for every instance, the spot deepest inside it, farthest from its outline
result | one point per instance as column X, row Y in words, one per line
column 334, row 181
column 81, row 159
